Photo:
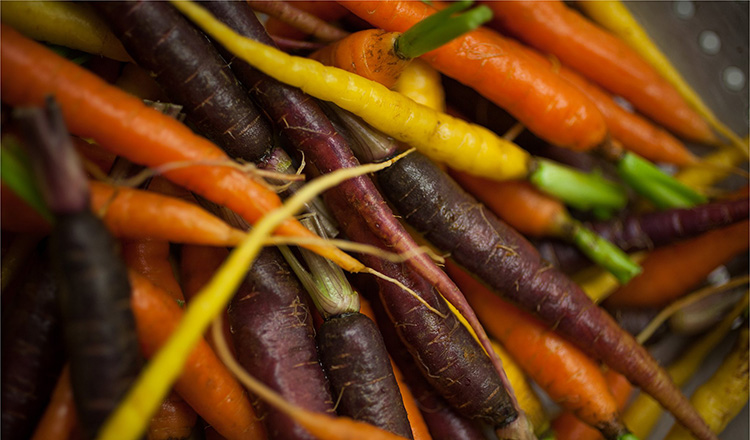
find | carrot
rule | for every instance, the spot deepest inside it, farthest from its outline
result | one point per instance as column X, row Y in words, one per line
column 568, row 427
column 31, row 72
column 644, row 412
column 59, row 419
column 476, row 239
column 204, row 382
column 174, row 420
column 568, row 376
column 554, row 28
column 302, row 22
column 484, row 153
column 326, row 11
column 273, row 335
column 719, row 165
column 616, row 18
column 382, row 56
column 671, row 271
column 192, row 73
column 98, row 323
column 73, row 25
column 723, row 395
column 32, row 344
column 421, row 83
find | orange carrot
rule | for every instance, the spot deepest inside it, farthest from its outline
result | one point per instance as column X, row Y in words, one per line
column 173, row 421
column 59, row 419
column 567, row 375
column 672, row 271
column 497, row 67
column 205, row 383
column 518, row 203
column 552, row 27
column 150, row 258
column 127, row 127
column 569, row 427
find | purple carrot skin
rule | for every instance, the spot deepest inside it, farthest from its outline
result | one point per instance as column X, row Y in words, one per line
column 304, row 125
column 98, row 324
column 192, row 74
column 504, row 260
column 639, row 232
column 443, row 422
column 273, row 335
column 354, row 356
column 32, row 351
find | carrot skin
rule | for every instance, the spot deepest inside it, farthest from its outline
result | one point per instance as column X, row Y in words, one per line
column 33, row 354
column 545, row 103
column 192, row 73
column 671, row 271
column 604, row 58
column 59, row 419
column 443, row 422
column 273, row 335
column 509, row 264
column 356, row 361
column 127, row 127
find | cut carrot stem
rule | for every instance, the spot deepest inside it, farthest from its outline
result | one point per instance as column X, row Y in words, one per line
column 30, row 72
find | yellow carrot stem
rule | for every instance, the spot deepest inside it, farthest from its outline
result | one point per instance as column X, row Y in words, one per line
column 69, row 24
column 615, row 17
column 131, row 418
column 466, row 146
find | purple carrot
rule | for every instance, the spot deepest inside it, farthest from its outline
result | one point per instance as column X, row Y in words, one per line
column 274, row 338
column 498, row 255
column 32, row 356
column 443, row 422
column 192, row 74
column 646, row 231
column 98, row 324
column 354, row 355
column 305, row 126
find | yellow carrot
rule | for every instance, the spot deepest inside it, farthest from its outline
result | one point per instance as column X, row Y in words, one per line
column 466, row 146
column 69, row 24
column 722, row 397
column 712, row 169
column 642, row 415
column 421, row 83
column 615, row 17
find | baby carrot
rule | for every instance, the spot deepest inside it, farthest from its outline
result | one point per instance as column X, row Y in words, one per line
column 126, row 126
column 495, row 66
column 553, row 27
column 615, row 17
column 671, row 271
column 567, row 375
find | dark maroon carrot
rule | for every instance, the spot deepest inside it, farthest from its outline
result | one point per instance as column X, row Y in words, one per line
column 453, row 221
column 32, row 351
column 443, row 422
column 192, row 74
column 354, row 355
column 646, row 231
column 272, row 331
column 304, row 126
column 98, row 323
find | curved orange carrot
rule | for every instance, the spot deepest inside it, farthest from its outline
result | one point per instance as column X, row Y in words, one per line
column 125, row 126
column 205, row 383
column 369, row 53
column 150, row 258
column 567, row 375
column 299, row 19
column 552, row 27
column 671, row 271
column 59, row 418
column 518, row 203
column 496, row 67
column 569, row 427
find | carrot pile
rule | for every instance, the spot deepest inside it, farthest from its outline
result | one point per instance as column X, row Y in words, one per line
column 167, row 260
